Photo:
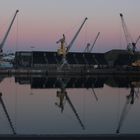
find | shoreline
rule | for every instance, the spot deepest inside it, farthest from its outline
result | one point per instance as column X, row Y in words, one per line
column 73, row 137
column 68, row 72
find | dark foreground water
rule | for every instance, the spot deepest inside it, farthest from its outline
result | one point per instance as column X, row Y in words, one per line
column 69, row 105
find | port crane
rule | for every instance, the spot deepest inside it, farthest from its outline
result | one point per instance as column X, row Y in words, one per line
column 64, row 49
column 7, row 115
column 63, row 96
column 131, row 45
column 129, row 102
column 88, row 49
column 6, row 34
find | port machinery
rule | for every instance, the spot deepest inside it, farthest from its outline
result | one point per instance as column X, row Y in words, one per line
column 63, row 50
column 3, row 55
column 131, row 45
column 89, row 49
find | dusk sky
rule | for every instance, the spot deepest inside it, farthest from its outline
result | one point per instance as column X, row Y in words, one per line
column 40, row 23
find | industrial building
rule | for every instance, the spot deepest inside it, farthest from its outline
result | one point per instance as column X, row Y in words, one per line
column 121, row 58
column 47, row 59
column 38, row 59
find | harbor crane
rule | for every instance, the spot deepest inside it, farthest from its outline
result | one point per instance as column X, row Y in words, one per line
column 6, row 34
column 7, row 115
column 89, row 50
column 64, row 49
column 131, row 45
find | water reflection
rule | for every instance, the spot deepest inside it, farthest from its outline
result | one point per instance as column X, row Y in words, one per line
column 7, row 115
column 78, row 81
column 129, row 102
column 72, row 82
column 65, row 105
column 63, row 97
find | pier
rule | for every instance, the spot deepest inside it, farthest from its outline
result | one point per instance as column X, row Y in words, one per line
column 104, row 71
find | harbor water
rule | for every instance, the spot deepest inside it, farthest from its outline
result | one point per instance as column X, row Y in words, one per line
column 69, row 105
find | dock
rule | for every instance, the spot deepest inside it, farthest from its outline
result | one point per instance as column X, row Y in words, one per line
column 70, row 72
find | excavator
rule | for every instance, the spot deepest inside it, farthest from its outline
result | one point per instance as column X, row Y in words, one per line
column 64, row 49
column 7, row 115
column 3, row 56
column 63, row 97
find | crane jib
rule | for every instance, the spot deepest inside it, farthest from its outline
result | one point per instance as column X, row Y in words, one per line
column 75, row 36
column 6, row 35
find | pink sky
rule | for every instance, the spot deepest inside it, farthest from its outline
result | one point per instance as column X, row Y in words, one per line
column 42, row 22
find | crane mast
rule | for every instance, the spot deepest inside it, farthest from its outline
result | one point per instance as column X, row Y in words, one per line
column 6, row 35
column 131, row 45
column 62, row 49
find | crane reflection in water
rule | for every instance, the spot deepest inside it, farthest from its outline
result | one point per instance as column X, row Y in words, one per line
column 63, row 97
column 7, row 115
column 130, row 99
column 61, row 83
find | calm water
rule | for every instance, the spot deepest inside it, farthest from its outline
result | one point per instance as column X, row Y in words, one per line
column 69, row 105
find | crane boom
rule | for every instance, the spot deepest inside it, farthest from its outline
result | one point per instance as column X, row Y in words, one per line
column 72, row 41
column 94, row 42
column 6, row 35
column 131, row 46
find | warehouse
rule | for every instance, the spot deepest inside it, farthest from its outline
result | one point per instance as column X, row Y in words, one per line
column 51, row 60
column 47, row 59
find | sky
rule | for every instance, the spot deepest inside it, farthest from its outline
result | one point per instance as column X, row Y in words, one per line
column 40, row 23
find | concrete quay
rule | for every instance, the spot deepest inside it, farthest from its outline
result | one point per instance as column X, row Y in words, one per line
column 68, row 72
